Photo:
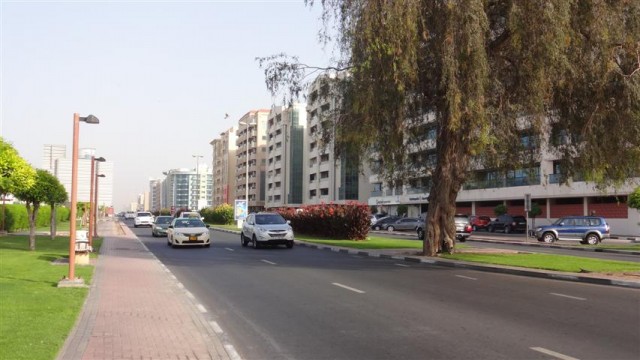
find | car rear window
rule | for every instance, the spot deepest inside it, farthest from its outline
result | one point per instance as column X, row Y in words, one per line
column 163, row 220
column 594, row 222
column 188, row 223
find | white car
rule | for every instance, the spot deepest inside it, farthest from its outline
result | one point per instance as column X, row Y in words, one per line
column 143, row 219
column 188, row 232
column 266, row 229
column 130, row 215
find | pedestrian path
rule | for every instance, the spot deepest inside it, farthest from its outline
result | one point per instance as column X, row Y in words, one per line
column 137, row 310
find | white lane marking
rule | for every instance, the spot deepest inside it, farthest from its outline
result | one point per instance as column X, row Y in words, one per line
column 466, row 277
column 216, row 327
column 348, row 288
column 553, row 353
column 229, row 249
column 201, row 308
column 402, row 265
column 233, row 354
column 568, row 296
column 190, row 295
column 268, row 262
column 180, row 285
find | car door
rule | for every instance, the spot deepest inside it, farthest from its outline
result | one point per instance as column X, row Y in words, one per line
column 406, row 224
column 247, row 227
column 566, row 229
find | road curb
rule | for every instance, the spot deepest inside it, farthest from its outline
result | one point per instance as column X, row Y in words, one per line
column 531, row 244
column 473, row 266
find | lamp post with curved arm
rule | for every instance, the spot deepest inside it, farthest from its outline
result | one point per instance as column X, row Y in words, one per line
column 92, row 199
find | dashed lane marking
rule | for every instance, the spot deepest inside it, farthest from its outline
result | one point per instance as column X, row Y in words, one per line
column 229, row 249
column 233, row 354
column 402, row 265
column 216, row 327
column 553, row 353
column 348, row 288
column 268, row 262
column 568, row 296
column 201, row 308
column 466, row 277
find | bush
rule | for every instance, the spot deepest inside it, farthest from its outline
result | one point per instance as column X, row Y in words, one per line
column 17, row 219
column 219, row 215
column 500, row 209
column 334, row 221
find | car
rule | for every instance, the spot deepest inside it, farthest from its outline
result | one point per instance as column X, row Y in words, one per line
column 463, row 228
column 160, row 226
column 382, row 222
column 190, row 214
column 509, row 223
column 586, row 229
column 479, row 222
column 266, row 228
column 130, row 215
column 188, row 232
column 143, row 218
column 375, row 217
column 403, row 224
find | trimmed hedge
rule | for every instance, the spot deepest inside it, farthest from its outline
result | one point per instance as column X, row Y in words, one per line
column 220, row 215
column 16, row 217
column 334, row 221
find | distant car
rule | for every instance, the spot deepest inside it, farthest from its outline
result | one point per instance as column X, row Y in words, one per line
column 403, row 224
column 382, row 222
column 479, row 222
column 143, row 218
column 463, row 228
column 160, row 226
column 130, row 215
column 265, row 228
column 509, row 223
column 586, row 229
column 191, row 214
column 188, row 232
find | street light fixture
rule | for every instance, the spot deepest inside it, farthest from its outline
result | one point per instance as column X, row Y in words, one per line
column 93, row 200
column 70, row 280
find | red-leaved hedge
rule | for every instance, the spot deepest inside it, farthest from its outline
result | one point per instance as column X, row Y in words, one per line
column 334, row 221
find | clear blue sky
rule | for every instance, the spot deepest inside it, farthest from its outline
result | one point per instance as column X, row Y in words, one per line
column 159, row 75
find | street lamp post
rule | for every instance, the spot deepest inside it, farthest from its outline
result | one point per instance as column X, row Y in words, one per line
column 71, row 280
column 95, row 209
column 92, row 200
column 197, row 180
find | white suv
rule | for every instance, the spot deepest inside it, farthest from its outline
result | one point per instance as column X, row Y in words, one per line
column 143, row 219
column 266, row 229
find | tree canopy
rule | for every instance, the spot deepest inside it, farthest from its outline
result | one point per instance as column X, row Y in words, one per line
column 497, row 80
column 15, row 172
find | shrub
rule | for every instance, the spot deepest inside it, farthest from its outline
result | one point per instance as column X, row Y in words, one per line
column 220, row 215
column 334, row 221
column 17, row 219
column 500, row 209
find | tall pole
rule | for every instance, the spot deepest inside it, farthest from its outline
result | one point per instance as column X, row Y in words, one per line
column 74, row 198
column 95, row 210
column 91, row 200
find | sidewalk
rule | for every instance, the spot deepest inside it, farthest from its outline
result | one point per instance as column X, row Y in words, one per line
column 136, row 309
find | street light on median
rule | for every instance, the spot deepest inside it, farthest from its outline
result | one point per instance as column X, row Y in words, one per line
column 71, row 280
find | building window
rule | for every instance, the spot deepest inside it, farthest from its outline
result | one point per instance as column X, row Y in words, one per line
column 324, row 191
column 312, row 193
column 324, row 175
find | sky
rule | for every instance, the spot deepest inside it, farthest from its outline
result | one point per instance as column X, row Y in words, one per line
column 160, row 76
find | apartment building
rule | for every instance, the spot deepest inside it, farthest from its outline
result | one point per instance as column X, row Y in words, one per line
column 155, row 194
column 50, row 154
column 487, row 188
column 327, row 177
column 285, row 156
column 251, row 157
column 187, row 188
column 224, row 167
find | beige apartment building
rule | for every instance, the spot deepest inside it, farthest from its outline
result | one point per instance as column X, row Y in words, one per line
column 251, row 157
column 224, row 167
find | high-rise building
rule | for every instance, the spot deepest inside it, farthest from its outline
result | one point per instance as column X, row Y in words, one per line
column 155, row 194
column 224, row 167
column 181, row 188
column 50, row 154
column 251, row 140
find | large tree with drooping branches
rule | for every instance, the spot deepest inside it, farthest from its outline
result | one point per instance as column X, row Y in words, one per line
column 485, row 74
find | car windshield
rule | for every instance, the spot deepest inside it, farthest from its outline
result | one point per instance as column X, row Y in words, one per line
column 188, row 223
column 271, row 219
column 163, row 220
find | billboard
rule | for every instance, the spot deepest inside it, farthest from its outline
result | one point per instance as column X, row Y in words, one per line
column 240, row 210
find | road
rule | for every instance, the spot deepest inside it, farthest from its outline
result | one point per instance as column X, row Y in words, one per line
column 305, row 303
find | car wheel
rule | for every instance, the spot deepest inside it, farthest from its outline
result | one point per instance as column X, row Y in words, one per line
column 463, row 239
column 548, row 237
column 168, row 241
column 376, row 227
column 391, row 228
column 492, row 229
column 243, row 241
column 592, row 239
column 153, row 234
column 507, row 229
column 420, row 234
column 255, row 243
column 289, row 244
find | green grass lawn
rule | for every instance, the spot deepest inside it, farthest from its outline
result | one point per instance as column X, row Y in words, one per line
column 37, row 316
column 372, row 242
column 227, row 227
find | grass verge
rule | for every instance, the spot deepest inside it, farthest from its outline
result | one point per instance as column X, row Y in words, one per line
column 37, row 316
column 226, row 227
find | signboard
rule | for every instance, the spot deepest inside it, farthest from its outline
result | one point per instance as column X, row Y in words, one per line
column 527, row 202
column 240, row 210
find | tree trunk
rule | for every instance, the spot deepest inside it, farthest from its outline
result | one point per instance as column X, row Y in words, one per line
column 52, row 222
column 3, row 206
column 32, row 214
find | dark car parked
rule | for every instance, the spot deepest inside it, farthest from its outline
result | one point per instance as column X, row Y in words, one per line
column 383, row 222
column 509, row 223
column 480, row 222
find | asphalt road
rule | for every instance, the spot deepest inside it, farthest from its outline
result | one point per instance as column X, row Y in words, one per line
column 304, row 303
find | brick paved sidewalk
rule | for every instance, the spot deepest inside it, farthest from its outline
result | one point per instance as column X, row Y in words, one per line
column 136, row 309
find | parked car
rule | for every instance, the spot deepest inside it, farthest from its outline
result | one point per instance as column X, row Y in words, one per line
column 403, row 224
column 375, row 217
column 143, row 218
column 160, row 226
column 586, row 229
column 479, row 222
column 382, row 222
column 188, row 232
column 463, row 228
column 509, row 223
column 266, row 228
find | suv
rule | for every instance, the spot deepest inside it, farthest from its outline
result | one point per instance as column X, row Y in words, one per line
column 587, row 229
column 143, row 219
column 266, row 228
column 463, row 227
column 509, row 223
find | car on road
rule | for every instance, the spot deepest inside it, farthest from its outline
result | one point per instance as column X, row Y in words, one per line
column 586, row 229
column 190, row 214
column 143, row 218
column 266, row 228
column 403, row 224
column 463, row 228
column 479, row 222
column 382, row 222
column 509, row 223
column 188, row 232
column 160, row 225
column 129, row 215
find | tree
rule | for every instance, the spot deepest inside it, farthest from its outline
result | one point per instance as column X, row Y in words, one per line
column 634, row 199
column 485, row 73
column 34, row 196
column 500, row 209
column 55, row 194
column 15, row 173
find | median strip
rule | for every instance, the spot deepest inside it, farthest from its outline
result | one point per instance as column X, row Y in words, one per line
column 348, row 288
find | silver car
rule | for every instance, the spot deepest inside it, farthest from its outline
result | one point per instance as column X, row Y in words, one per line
column 266, row 229
column 404, row 224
